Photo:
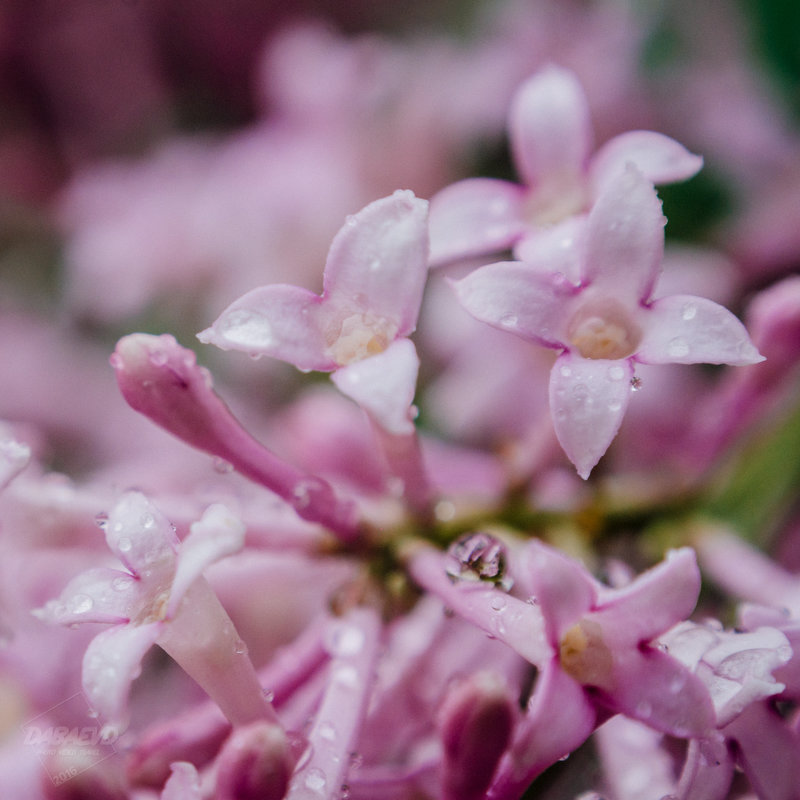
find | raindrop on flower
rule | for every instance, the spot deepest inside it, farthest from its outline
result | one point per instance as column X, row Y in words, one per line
column 689, row 311
column 346, row 640
column 678, row 347
column 327, row 731
column 315, row 780
column 478, row 557
column 636, row 384
column 616, row 373
column 222, row 466
column 147, row 520
column 124, row 544
column 81, row 603
column 121, row 583
column 101, row 519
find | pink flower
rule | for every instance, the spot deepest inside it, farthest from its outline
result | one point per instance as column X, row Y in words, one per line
column 609, row 321
column 594, row 648
column 551, row 140
column 160, row 598
column 358, row 329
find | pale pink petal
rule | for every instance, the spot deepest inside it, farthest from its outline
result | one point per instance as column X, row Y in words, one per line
column 111, row 662
column 183, row 783
column 549, row 126
column 514, row 297
column 683, row 329
column 378, row 262
column 625, row 238
column 588, row 398
column 217, row 534
column 653, row 687
column 97, row 595
column 558, row 248
column 655, row 601
column 473, row 217
column 280, row 321
column 141, row 536
column 559, row 585
column 707, row 771
column 658, row 157
column 384, row 385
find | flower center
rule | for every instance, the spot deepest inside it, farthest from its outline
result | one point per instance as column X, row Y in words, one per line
column 585, row 656
column 360, row 336
column 556, row 199
column 603, row 329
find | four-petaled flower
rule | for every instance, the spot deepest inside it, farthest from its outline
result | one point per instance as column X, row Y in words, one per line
column 159, row 598
column 608, row 321
column 357, row 329
column 551, row 140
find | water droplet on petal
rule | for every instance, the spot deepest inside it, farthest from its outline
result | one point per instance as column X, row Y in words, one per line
column 222, row 466
column 346, row 640
column 327, row 731
column 124, row 545
column 498, row 603
column 147, row 520
column 509, row 321
column 614, row 405
column 478, row 557
column 121, row 583
column 678, row 347
column 81, row 604
column 689, row 311
column 315, row 780
column 565, row 370
column 101, row 519
column 616, row 372
column 636, row 384
column 158, row 358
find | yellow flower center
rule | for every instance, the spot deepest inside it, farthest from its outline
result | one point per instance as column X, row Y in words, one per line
column 602, row 328
column 359, row 336
column 586, row 657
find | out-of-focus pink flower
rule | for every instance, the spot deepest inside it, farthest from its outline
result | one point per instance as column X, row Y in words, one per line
column 358, row 329
column 551, row 139
column 608, row 321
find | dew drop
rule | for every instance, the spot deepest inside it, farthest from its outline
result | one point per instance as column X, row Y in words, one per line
column 614, row 405
column 327, row 731
column 565, row 370
column 498, row 603
column 346, row 675
column 222, row 466
column 315, row 780
column 240, row 647
column 636, row 384
column 246, row 328
column 81, row 603
column 121, row 583
column 158, row 358
column 616, row 373
column 678, row 347
column 375, row 264
column 101, row 519
column 269, row 695
column 689, row 311
column 124, row 545
column 344, row 792
column 147, row 520
column 479, row 557
column 509, row 321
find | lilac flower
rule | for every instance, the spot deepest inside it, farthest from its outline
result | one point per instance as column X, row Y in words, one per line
column 608, row 322
column 358, row 329
column 594, row 647
column 160, row 598
column 551, row 140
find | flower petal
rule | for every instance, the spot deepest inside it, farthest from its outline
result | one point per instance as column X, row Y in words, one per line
column 384, row 385
column 683, row 329
column 97, row 595
column 625, row 238
column 588, row 399
column 519, row 298
column 561, row 587
column 111, row 662
column 560, row 717
column 142, row 537
column 659, row 158
column 279, row 321
column 653, row 602
column 474, row 217
column 183, row 783
column 658, row 690
column 557, row 248
column 549, row 126
column 217, row 534
column 378, row 262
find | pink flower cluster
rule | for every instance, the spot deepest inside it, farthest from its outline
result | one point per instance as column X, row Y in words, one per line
column 537, row 536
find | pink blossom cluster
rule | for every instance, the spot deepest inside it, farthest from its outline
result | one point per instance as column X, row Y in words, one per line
column 538, row 536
